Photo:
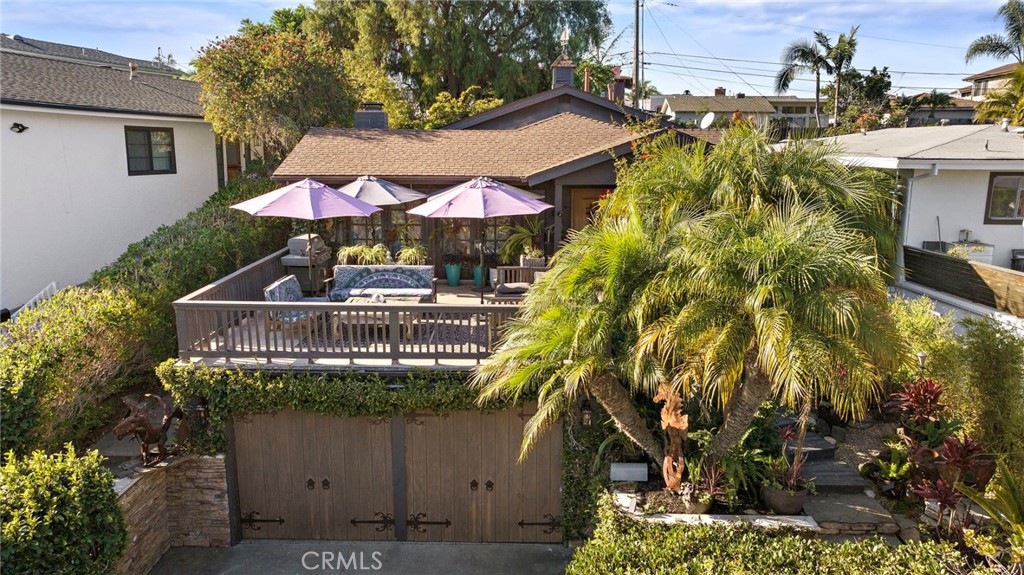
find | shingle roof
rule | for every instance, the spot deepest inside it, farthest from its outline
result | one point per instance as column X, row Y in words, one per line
column 711, row 136
column 719, row 104
column 335, row 153
column 40, row 81
column 999, row 72
column 79, row 53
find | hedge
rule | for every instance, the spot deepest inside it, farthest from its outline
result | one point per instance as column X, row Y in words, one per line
column 60, row 361
column 623, row 545
column 59, row 364
column 60, row 515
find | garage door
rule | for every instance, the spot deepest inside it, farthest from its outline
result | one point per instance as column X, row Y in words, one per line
column 417, row 477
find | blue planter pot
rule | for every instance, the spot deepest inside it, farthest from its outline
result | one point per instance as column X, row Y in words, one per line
column 454, row 273
column 478, row 277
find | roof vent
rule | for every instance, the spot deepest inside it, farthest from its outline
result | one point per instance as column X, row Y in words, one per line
column 741, row 95
column 687, row 93
column 562, row 71
column 719, row 91
column 132, row 69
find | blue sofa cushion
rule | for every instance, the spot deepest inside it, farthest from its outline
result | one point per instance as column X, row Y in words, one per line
column 387, row 280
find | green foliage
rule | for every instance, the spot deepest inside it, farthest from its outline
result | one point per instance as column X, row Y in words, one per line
column 267, row 85
column 896, row 469
column 414, row 255
column 343, row 393
column 990, row 395
column 364, row 255
column 624, row 545
column 1005, row 506
column 61, row 360
column 581, row 489
column 448, row 109
column 60, row 515
column 520, row 238
column 1010, row 45
column 924, row 329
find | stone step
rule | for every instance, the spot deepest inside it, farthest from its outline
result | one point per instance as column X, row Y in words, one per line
column 816, row 447
column 835, row 477
column 850, row 515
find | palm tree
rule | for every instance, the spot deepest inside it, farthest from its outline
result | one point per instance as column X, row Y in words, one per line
column 590, row 326
column 840, row 57
column 997, row 45
column 572, row 332
column 799, row 57
column 782, row 301
column 1008, row 102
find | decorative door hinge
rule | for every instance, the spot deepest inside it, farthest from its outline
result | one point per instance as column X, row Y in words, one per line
column 252, row 518
column 385, row 521
column 416, row 521
column 552, row 523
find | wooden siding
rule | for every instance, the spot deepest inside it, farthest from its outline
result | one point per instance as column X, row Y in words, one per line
column 988, row 285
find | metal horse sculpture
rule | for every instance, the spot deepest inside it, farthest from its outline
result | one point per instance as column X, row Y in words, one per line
column 136, row 423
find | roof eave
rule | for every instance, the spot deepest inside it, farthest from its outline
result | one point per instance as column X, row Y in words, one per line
column 55, row 105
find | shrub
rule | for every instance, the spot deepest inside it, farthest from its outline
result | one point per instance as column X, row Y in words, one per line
column 993, row 389
column 623, row 545
column 923, row 329
column 60, row 361
column 60, row 515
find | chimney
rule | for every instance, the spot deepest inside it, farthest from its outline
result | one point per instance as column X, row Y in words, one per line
column 741, row 95
column 132, row 68
column 719, row 91
column 562, row 71
column 586, row 79
column 371, row 116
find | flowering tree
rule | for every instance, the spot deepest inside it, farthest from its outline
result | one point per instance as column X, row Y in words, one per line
column 272, row 85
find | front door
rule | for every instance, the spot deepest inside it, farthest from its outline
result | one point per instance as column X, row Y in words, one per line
column 584, row 203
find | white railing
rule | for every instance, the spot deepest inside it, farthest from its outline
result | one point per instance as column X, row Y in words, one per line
column 46, row 293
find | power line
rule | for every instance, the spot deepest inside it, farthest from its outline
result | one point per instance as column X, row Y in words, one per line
column 658, row 26
column 962, row 48
column 695, row 56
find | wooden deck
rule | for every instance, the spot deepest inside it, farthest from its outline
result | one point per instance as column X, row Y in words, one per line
column 227, row 323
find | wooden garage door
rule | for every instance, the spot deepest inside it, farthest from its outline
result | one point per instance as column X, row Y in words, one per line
column 418, row 477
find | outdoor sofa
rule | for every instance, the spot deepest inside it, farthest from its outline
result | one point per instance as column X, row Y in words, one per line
column 394, row 281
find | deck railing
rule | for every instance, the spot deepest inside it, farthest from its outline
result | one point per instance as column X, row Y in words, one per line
column 229, row 320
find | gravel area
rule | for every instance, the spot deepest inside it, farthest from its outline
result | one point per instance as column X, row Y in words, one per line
column 863, row 445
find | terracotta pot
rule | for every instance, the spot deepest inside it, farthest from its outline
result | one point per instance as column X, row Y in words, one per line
column 981, row 474
column 783, row 502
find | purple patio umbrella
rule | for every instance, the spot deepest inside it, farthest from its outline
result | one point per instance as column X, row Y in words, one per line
column 307, row 200
column 481, row 198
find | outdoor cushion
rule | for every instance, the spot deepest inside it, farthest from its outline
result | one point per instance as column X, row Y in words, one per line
column 517, row 288
column 397, row 281
column 284, row 289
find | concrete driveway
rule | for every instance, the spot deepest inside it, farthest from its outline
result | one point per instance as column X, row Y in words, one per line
column 388, row 558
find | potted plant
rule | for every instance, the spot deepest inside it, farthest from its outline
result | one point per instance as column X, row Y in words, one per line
column 894, row 471
column 453, row 268
column 412, row 255
column 363, row 255
column 521, row 242
column 705, row 483
column 785, row 489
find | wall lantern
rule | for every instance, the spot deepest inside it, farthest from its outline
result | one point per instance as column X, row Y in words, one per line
column 18, row 127
column 586, row 413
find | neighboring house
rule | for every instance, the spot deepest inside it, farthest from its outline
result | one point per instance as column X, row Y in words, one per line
column 988, row 81
column 94, row 157
column 688, row 109
column 960, row 111
column 796, row 112
column 958, row 183
column 561, row 144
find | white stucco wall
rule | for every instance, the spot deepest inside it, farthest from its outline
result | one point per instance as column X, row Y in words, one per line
column 67, row 203
column 958, row 197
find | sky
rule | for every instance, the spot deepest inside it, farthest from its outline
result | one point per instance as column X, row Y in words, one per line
column 694, row 45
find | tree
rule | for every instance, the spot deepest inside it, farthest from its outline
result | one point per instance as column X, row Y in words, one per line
column 167, row 60
column 1001, row 47
column 1008, row 102
column 604, row 320
column 448, row 109
column 840, row 57
column 860, row 96
column 446, row 45
column 272, row 85
column 803, row 56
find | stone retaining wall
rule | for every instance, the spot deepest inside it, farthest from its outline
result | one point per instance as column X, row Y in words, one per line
column 180, row 503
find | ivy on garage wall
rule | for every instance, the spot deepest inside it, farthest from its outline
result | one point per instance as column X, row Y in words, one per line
column 231, row 391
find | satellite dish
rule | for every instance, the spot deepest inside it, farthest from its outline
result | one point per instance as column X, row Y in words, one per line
column 706, row 121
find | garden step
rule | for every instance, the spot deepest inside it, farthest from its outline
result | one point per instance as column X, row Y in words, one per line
column 850, row 515
column 835, row 477
column 816, row 447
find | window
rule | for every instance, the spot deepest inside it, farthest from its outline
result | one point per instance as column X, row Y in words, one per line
column 150, row 150
column 1005, row 198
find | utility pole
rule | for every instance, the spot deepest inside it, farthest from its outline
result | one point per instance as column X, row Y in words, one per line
column 636, row 51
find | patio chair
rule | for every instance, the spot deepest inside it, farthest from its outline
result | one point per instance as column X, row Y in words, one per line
column 513, row 281
column 287, row 289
